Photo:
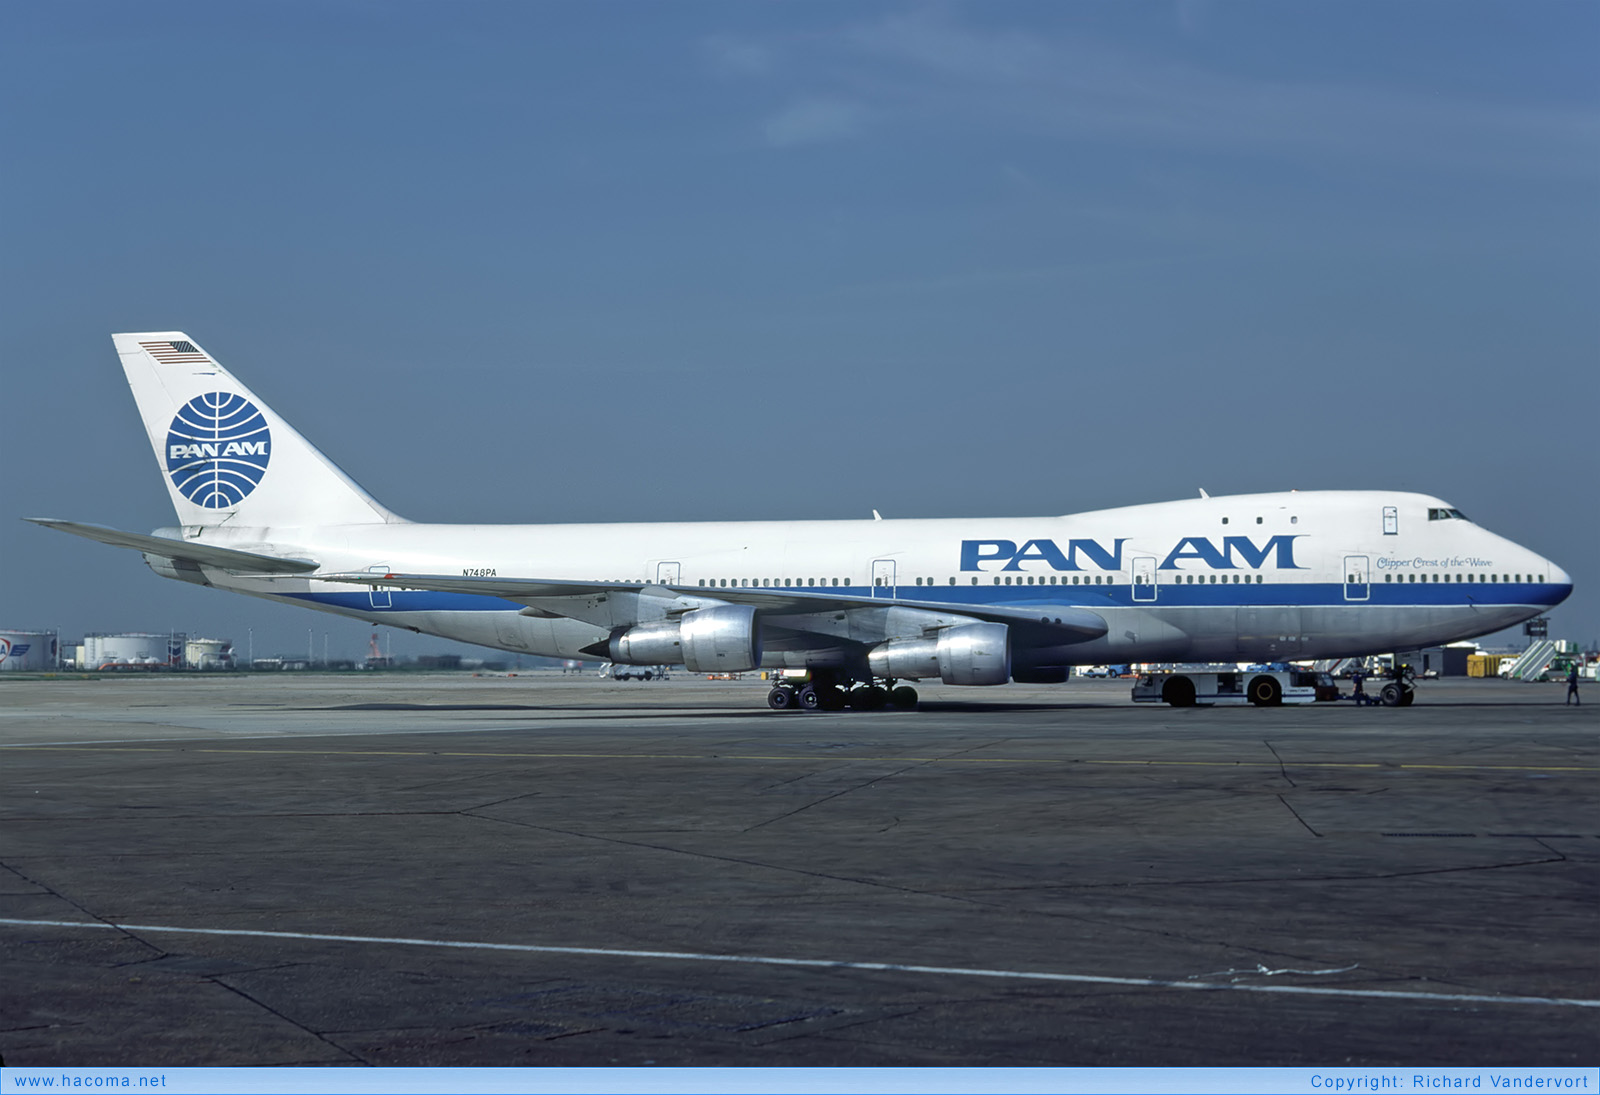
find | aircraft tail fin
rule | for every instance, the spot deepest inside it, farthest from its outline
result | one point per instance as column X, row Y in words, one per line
column 227, row 458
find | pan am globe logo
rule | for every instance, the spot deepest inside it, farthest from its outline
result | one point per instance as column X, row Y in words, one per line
column 217, row 449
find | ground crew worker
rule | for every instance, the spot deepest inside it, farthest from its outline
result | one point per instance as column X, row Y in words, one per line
column 1572, row 685
column 1360, row 694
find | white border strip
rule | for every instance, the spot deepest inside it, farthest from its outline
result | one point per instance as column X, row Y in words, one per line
column 823, row 963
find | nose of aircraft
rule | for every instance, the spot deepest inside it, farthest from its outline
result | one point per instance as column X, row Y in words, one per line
column 1561, row 580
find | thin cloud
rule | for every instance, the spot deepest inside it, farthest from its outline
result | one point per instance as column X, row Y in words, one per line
column 735, row 56
column 927, row 70
column 814, row 121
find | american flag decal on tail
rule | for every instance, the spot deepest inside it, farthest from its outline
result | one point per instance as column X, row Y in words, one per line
column 175, row 353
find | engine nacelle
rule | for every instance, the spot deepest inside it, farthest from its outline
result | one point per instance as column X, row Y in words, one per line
column 719, row 639
column 905, row 659
column 658, row 643
column 970, row 654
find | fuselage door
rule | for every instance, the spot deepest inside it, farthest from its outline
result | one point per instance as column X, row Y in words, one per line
column 667, row 573
column 1144, row 578
column 1391, row 520
column 883, row 578
column 382, row 596
column 1357, row 576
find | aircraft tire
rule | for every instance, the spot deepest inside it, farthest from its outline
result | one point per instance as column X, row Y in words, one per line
column 1178, row 692
column 831, row 698
column 1266, row 692
column 809, row 699
column 1391, row 695
column 1407, row 696
column 903, row 698
column 783, row 699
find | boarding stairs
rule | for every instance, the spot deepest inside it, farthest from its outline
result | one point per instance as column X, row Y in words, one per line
column 1334, row 666
column 1532, row 663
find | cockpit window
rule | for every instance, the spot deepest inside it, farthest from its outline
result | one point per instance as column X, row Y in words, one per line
column 1446, row 515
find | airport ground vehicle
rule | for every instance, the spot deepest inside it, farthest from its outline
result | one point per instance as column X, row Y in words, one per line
column 635, row 672
column 1264, row 687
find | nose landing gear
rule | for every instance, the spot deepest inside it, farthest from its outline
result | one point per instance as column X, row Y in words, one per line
column 1401, row 691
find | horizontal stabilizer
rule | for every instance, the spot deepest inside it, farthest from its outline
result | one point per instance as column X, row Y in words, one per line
column 244, row 562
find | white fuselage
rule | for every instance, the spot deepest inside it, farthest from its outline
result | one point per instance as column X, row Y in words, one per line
column 1292, row 575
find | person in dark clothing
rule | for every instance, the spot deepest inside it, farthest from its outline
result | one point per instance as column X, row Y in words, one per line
column 1360, row 694
column 1572, row 685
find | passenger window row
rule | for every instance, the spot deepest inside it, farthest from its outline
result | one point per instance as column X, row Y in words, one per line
column 768, row 583
column 807, row 583
column 1460, row 577
column 1178, row 579
column 1107, row 580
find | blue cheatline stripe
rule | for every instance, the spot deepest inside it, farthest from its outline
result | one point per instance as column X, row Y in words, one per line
column 1296, row 594
column 1197, row 983
column 410, row 600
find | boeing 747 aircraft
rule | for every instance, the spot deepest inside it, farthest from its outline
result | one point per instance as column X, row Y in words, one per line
column 862, row 605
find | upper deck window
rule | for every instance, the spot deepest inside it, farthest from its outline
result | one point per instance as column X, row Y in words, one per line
column 1436, row 514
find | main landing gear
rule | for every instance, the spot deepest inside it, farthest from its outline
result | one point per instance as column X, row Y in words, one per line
column 828, row 690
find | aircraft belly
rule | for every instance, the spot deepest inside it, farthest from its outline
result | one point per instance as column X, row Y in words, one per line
column 1269, row 632
column 1168, row 633
column 1132, row 634
column 1274, row 632
column 1351, row 631
column 551, row 638
column 1334, row 631
column 831, row 657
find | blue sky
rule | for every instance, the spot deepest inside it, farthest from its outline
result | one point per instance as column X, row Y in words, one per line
column 590, row 262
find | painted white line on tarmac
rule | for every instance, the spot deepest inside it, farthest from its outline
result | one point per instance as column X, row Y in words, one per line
column 830, row 964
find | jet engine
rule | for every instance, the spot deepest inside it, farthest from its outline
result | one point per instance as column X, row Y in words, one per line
column 969, row 654
column 719, row 639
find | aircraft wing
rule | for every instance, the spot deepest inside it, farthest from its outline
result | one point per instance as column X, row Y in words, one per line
column 1071, row 623
column 510, row 589
column 1074, row 618
column 243, row 562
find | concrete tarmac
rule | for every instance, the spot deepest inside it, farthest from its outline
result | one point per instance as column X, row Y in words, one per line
column 452, row 870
